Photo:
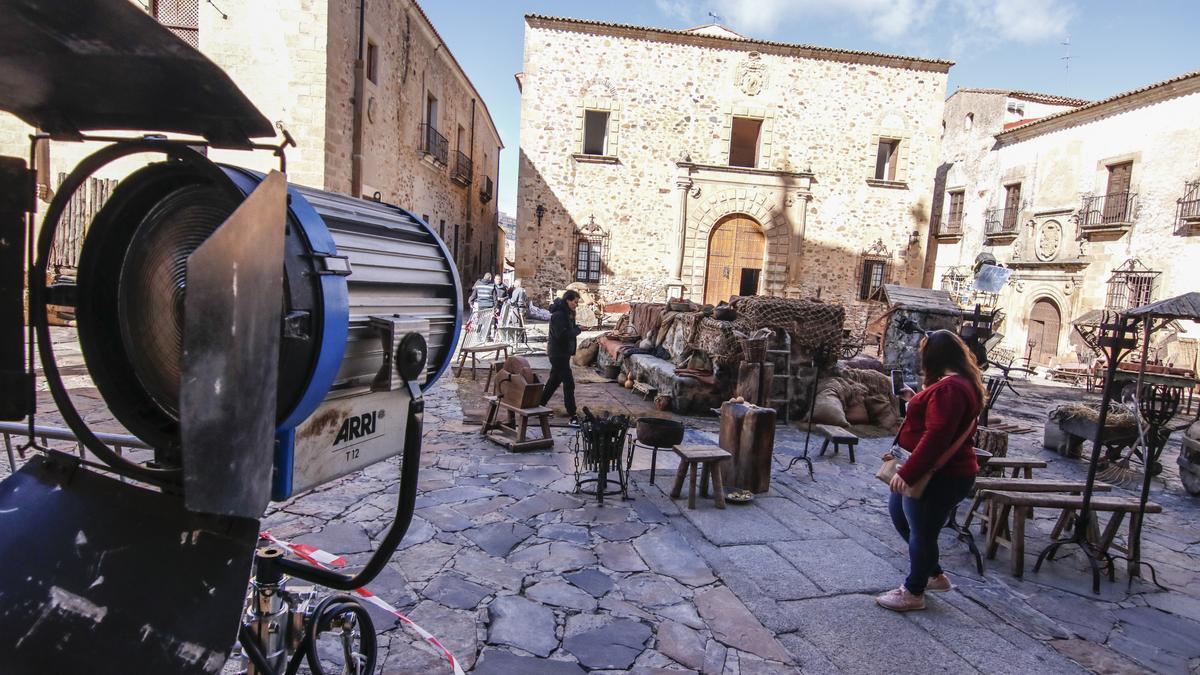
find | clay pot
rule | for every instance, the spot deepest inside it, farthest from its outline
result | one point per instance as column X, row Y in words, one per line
column 629, row 383
column 662, row 402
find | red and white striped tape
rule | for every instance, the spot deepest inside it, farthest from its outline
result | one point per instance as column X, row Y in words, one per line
column 326, row 560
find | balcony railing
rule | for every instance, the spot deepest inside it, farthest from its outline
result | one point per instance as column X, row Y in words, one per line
column 434, row 144
column 1188, row 212
column 486, row 190
column 1111, row 210
column 462, row 168
column 950, row 227
column 1000, row 222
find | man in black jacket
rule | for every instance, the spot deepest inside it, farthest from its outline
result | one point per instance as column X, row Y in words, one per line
column 560, row 347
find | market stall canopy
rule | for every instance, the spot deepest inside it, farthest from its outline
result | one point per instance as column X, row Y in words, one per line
column 1185, row 307
column 930, row 300
column 70, row 67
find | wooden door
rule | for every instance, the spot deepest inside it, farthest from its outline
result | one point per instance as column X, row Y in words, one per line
column 1044, row 325
column 1116, row 202
column 735, row 259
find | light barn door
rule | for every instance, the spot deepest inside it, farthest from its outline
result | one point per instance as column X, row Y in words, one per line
column 735, row 259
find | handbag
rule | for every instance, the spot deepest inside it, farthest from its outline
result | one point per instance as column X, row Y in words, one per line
column 891, row 466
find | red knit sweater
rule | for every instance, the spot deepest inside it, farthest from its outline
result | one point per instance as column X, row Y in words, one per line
column 936, row 418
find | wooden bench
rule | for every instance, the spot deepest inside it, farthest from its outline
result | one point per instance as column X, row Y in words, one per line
column 513, row 434
column 838, row 436
column 1019, row 485
column 1017, row 464
column 711, row 458
column 475, row 350
column 1000, row 533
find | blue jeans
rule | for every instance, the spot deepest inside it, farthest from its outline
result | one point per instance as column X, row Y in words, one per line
column 920, row 520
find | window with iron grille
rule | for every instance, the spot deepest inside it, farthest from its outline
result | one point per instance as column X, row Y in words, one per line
column 1131, row 285
column 182, row 17
column 873, row 272
column 591, row 245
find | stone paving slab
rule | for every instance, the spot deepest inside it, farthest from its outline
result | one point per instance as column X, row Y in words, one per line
column 668, row 590
column 839, row 565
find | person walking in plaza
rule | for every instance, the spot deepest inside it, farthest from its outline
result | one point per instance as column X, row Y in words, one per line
column 483, row 302
column 560, row 348
column 938, row 429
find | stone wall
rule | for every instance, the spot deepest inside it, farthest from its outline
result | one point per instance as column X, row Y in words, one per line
column 295, row 61
column 1053, row 258
column 671, row 99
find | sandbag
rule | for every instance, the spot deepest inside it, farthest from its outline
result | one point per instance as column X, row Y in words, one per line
column 585, row 352
column 828, row 409
column 855, row 407
column 882, row 410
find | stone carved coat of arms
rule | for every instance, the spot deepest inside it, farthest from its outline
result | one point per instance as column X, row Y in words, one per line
column 751, row 74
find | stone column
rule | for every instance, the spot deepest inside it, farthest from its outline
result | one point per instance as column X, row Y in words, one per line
column 682, row 184
column 799, row 207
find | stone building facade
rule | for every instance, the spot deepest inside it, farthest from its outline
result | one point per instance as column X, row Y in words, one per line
column 701, row 159
column 1090, row 205
column 419, row 136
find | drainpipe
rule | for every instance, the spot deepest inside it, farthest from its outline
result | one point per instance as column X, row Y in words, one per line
column 471, row 186
column 360, row 104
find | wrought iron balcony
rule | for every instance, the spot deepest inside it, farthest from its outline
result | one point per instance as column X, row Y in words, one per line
column 434, row 145
column 487, row 189
column 1112, row 210
column 951, row 227
column 1001, row 222
column 462, row 168
column 1187, row 219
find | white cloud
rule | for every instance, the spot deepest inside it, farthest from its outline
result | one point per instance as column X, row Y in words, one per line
column 896, row 21
column 680, row 10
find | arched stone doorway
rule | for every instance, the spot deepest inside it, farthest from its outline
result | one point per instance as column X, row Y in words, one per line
column 736, row 250
column 1045, row 324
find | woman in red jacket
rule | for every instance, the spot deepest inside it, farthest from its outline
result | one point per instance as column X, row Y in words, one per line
column 939, row 430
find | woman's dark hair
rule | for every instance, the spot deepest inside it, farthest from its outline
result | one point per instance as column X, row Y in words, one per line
column 570, row 295
column 943, row 351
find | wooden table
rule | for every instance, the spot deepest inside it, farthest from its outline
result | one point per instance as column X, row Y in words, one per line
column 474, row 351
column 1021, row 485
column 1017, row 464
column 1018, row 503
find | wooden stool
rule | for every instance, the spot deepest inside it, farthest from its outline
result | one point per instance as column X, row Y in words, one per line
column 513, row 433
column 473, row 352
column 839, row 437
column 710, row 457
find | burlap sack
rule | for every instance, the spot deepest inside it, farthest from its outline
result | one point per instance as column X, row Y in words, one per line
column 585, row 352
column 856, row 409
column 828, row 409
column 882, row 410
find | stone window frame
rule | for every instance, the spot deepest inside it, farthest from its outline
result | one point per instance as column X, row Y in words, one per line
column 588, row 239
column 612, row 146
column 766, row 133
column 903, row 141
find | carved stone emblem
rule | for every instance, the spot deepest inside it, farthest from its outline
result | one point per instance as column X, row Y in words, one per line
column 1049, row 239
column 751, row 74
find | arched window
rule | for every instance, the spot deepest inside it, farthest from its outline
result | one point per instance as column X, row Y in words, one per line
column 969, row 121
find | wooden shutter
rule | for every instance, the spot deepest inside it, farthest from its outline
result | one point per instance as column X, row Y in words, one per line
column 1118, row 177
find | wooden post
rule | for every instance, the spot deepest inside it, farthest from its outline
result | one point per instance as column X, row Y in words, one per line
column 993, row 441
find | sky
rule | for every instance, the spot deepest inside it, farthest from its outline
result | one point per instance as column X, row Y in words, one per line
column 1115, row 45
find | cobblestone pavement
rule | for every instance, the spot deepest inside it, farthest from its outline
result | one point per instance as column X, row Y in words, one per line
column 515, row 574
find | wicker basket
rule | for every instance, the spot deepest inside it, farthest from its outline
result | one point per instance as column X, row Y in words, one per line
column 754, row 349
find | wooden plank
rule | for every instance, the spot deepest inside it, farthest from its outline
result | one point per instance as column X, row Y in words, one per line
column 1062, row 501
